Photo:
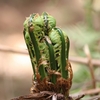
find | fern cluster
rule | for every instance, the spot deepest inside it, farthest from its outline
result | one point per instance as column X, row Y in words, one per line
column 48, row 48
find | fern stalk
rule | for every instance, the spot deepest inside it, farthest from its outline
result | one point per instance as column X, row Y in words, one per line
column 64, row 72
column 38, row 55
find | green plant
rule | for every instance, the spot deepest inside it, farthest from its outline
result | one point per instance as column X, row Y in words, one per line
column 48, row 48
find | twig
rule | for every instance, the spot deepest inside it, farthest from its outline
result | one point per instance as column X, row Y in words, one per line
column 82, row 60
column 87, row 92
column 54, row 97
column 87, row 52
column 11, row 50
column 95, row 98
column 43, row 95
column 91, row 91
column 95, row 62
column 77, row 96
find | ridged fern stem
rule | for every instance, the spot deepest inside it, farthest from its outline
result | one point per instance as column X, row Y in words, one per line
column 64, row 72
column 52, row 58
column 30, row 49
column 37, row 53
column 67, row 48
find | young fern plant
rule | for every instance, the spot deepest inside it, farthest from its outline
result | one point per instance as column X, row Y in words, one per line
column 48, row 48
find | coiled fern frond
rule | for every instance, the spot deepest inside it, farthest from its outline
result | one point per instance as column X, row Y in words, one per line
column 48, row 48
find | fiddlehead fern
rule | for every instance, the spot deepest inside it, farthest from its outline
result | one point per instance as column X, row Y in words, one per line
column 48, row 48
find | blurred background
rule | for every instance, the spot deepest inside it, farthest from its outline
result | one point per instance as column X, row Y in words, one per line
column 80, row 19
